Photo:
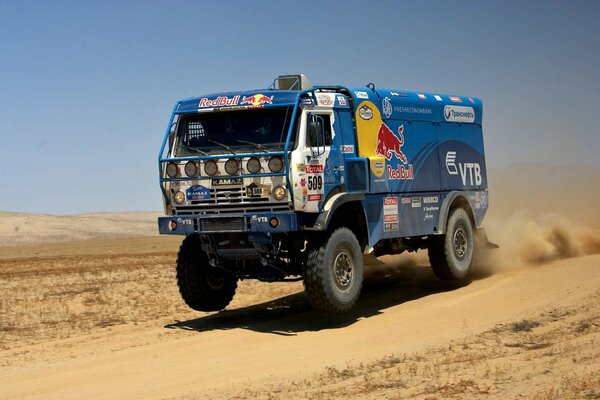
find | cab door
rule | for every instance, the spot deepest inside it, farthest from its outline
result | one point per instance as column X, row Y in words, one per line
column 317, row 165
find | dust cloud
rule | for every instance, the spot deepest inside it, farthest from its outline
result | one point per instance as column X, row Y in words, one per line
column 539, row 214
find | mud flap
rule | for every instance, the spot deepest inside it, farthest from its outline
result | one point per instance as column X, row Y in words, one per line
column 370, row 259
column 482, row 241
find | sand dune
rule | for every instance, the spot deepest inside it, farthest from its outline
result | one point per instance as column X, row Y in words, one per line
column 20, row 228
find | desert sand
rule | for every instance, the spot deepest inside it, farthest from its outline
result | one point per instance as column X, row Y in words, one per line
column 86, row 316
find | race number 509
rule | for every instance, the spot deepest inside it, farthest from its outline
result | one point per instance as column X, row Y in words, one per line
column 315, row 182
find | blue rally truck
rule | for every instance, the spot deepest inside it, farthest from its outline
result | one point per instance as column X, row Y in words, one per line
column 300, row 182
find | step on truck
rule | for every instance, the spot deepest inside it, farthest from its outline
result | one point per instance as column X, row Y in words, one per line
column 300, row 182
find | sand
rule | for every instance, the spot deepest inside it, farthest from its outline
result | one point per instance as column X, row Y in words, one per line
column 100, row 317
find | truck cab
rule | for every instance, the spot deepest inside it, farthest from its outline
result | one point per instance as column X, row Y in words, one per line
column 301, row 182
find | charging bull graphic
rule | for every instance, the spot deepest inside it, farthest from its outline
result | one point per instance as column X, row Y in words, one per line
column 388, row 143
column 258, row 100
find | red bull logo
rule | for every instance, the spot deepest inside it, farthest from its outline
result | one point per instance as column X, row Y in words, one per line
column 388, row 143
column 258, row 100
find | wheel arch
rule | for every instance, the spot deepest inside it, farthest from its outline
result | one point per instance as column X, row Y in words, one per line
column 453, row 200
column 336, row 214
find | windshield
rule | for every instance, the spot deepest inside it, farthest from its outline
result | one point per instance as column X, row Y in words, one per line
column 240, row 131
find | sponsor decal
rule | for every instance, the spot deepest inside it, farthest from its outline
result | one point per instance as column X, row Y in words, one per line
column 315, row 197
column 342, row 100
column 314, row 169
column 258, row 100
column 300, row 167
column 412, row 110
column 390, row 213
column 394, row 94
column 347, row 148
column 471, row 100
column 365, row 112
column 361, row 95
column 303, row 182
column 259, row 219
column 378, row 164
column 455, row 99
column 481, row 200
column 459, row 114
column 403, row 173
column 431, row 208
column 422, row 96
column 438, row 98
column 470, row 173
column 428, row 217
column 387, row 107
column 405, row 200
column 221, row 101
column 415, row 202
column 388, row 143
column 450, row 163
column 324, row 100
column 430, row 199
column 197, row 192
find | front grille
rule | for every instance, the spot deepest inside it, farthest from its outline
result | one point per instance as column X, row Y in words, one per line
column 232, row 200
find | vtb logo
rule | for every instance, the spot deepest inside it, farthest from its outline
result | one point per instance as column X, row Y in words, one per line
column 468, row 171
column 388, row 143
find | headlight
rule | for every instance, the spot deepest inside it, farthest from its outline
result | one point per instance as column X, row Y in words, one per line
column 253, row 165
column 231, row 166
column 172, row 170
column 276, row 164
column 279, row 193
column 191, row 169
column 210, row 167
column 179, row 197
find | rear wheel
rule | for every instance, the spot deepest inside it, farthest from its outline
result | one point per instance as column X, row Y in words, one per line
column 334, row 272
column 202, row 286
column 451, row 254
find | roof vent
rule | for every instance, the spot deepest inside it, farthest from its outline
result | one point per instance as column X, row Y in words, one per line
column 292, row 82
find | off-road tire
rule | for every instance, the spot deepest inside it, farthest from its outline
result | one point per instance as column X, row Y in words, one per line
column 202, row 286
column 326, row 290
column 451, row 254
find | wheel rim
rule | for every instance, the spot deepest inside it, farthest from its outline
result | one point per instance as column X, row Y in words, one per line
column 215, row 282
column 460, row 242
column 343, row 270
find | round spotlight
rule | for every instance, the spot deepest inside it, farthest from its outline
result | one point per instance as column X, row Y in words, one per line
column 274, row 222
column 276, row 164
column 232, row 167
column 210, row 167
column 172, row 170
column 279, row 193
column 173, row 225
column 191, row 169
column 179, row 197
column 253, row 165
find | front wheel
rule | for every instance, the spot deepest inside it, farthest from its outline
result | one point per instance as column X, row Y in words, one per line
column 203, row 287
column 334, row 273
column 451, row 254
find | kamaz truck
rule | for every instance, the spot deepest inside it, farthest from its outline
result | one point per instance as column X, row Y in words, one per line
column 301, row 182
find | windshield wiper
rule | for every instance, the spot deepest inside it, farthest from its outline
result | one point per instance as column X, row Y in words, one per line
column 257, row 145
column 194, row 150
column 222, row 145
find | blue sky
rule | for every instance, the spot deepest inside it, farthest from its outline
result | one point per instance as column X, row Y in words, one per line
column 86, row 87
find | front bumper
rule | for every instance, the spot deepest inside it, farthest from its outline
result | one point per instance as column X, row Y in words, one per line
column 271, row 222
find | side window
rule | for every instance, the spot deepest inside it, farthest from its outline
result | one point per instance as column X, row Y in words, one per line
column 311, row 137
